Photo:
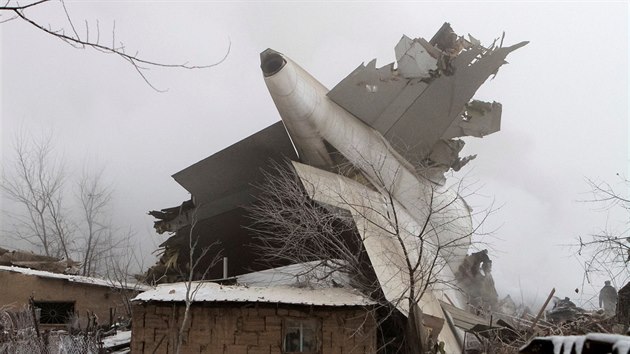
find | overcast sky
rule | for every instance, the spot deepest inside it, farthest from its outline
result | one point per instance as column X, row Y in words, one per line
column 564, row 96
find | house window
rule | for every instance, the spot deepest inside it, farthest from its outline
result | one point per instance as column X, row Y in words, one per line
column 54, row 312
column 301, row 336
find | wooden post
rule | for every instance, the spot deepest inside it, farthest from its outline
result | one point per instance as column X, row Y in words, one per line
column 35, row 321
column 542, row 309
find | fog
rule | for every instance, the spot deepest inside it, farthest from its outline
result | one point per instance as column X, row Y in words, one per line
column 564, row 96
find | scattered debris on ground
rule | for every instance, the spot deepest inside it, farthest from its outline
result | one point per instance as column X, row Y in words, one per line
column 566, row 328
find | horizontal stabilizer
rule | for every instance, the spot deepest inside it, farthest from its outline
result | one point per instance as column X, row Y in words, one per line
column 225, row 180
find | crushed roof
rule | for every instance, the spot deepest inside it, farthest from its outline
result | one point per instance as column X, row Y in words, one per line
column 75, row 278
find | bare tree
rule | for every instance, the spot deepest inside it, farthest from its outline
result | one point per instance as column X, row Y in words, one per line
column 47, row 219
column 98, row 235
column 89, row 37
column 195, row 257
column 608, row 252
column 35, row 180
column 294, row 228
column 122, row 269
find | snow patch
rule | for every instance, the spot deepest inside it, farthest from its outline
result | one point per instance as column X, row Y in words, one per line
column 75, row 278
column 213, row 292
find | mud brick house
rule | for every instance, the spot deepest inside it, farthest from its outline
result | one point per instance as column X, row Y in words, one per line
column 253, row 318
column 60, row 298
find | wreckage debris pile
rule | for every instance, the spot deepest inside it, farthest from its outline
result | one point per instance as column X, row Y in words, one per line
column 564, row 324
column 38, row 262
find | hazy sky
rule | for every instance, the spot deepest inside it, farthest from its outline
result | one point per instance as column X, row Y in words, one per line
column 564, row 96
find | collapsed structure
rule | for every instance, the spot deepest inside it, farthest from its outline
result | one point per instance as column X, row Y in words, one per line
column 377, row 146
column 31, row 260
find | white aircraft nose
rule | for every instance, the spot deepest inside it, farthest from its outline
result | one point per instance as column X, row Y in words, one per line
column 271, row 62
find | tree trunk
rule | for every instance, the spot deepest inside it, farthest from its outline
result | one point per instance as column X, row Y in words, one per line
column 415, row 340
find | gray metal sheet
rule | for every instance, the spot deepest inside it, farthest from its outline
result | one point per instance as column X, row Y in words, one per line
column 432, row 113
column 368, row 91
column 413, row 115
column 224, row 180
column 464, row 319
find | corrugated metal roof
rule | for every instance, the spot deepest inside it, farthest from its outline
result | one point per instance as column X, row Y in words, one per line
column 75, row 278
column 213, row 292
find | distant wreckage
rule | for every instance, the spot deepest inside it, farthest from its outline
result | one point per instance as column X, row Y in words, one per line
column 381, row 132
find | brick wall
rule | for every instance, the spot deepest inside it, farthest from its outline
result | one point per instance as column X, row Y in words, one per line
column 17, row 288
column 247, row 328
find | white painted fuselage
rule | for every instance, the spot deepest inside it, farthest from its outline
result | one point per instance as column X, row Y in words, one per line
column 311, row 117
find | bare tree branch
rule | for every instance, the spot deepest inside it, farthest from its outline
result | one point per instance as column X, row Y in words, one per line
column 35, row 181
column 74, row 39
column 293, row 228
column 607, row 252
column 194, row 260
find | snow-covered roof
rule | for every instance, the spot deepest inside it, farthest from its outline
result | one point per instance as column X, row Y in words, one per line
column 75, row 278
column 213, row 292
column 313, row 274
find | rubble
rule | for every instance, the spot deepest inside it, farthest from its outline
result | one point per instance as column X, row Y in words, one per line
column 509, row 334
column 565, row 327
column 474, row 276
column 38, row 262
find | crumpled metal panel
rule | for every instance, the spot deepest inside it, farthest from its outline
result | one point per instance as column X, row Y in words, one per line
column 413, row 114
column 414, row 60
column 478, row 119
column 368, row 91
column 428, row 118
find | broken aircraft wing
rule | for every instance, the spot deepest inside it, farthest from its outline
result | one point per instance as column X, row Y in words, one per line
column 426, row 97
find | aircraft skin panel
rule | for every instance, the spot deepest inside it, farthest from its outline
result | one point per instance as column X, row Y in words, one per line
column 367, row 92
column 386, row 254
column 224, row 180
column 294, row 94
column 399, row 106
column 431, row 114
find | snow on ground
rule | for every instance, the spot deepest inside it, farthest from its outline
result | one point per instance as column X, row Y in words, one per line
column 120, row 338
